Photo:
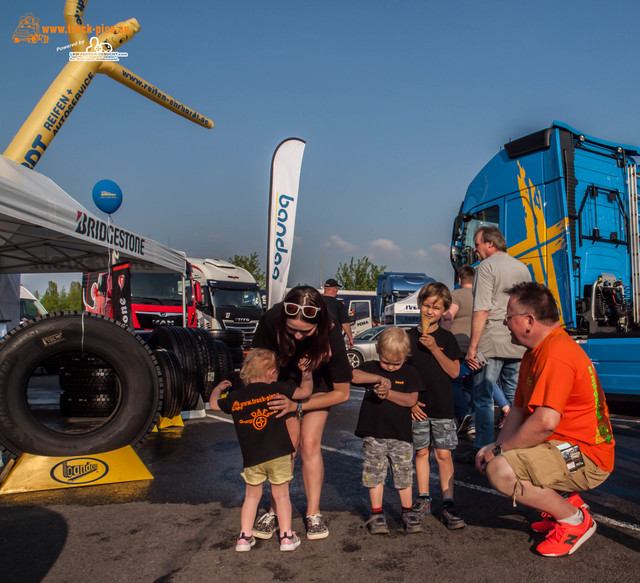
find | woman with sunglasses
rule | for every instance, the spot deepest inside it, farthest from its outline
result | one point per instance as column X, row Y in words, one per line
column 301, row 327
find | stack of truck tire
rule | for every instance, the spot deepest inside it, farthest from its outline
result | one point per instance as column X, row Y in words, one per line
column 192, row 362
column 106, row 371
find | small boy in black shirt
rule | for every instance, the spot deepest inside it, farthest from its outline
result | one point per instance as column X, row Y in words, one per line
column 264, row 440
column 385, row 425
column 436, row 355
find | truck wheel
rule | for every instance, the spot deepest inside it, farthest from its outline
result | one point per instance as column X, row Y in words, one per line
column 355, row 358
column 30, row 427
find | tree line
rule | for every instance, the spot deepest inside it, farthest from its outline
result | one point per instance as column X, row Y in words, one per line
column 55, row 301
column 357, row 274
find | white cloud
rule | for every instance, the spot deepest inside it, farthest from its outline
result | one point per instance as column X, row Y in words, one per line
column 420, row 254
column 386, row 245
column 440, row 249
column 335, row 241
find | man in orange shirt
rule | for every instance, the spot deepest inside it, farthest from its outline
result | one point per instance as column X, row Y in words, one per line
column 557, row 438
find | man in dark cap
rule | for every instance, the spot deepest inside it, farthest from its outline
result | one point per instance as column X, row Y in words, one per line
column 337, row 309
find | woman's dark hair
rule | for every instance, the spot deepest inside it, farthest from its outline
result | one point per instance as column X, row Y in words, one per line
column 319, row 350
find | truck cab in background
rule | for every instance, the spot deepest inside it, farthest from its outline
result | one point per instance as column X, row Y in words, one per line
column 231, row 297
column 157, row 298
column 567, row 204
column 395, row 286
column 30, row 307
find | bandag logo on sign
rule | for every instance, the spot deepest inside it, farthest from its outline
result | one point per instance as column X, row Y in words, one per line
column 80, row 470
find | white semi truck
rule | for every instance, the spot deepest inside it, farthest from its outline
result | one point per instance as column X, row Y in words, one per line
column 230, row 297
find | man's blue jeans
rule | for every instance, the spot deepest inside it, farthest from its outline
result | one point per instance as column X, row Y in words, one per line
column 505, row 369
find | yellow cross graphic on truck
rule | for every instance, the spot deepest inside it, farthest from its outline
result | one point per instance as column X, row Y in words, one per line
column 542, row 242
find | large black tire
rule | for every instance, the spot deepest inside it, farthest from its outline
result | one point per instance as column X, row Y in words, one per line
column 230, row 336
column 139, row 399
column 224, row 362
column 172, row 374
column 208, row 368
column 92, row 404
column 181, row 342
column 83, row 372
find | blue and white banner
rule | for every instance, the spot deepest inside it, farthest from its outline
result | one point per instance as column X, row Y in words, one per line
column 283, row 201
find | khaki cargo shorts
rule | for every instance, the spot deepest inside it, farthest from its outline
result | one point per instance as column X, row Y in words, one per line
column 544, row 466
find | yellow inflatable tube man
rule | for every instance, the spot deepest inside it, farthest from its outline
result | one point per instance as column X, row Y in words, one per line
column 69, row 86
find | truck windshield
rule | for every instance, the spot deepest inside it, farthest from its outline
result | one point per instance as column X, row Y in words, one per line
column 241, row 298
column 158, row 288
column 464, row 231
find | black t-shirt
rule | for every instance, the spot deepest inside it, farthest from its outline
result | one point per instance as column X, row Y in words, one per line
column 382, row 418
column 337, row 370
column 262, row 436
column 438, row 392
column 337, row 309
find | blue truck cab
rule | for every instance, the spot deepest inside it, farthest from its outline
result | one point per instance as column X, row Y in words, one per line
column 567, row 204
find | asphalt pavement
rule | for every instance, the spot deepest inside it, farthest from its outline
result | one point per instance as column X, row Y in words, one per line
column 182, row 525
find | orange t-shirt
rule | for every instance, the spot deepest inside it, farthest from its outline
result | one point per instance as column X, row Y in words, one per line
column 558, row 374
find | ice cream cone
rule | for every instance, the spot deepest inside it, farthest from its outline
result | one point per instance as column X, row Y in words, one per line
column 425, row 324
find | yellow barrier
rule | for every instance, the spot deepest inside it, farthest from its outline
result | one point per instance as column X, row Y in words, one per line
column 33, row 473
column 55, row 106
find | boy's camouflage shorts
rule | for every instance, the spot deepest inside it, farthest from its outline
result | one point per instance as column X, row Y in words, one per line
column 377, row 454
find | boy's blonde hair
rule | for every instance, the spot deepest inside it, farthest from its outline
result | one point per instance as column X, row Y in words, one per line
column 257, row 365
column 394, row 342
column 437, row 289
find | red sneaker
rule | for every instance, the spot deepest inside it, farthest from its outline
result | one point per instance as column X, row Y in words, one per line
column 547, row 523
column 566, row 539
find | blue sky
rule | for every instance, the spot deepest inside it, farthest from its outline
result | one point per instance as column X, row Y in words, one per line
column 400, row 103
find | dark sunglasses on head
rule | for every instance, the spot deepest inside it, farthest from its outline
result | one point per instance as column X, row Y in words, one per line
column 291, row 309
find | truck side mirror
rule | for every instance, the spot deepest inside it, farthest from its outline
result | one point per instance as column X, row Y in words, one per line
column 198, row 292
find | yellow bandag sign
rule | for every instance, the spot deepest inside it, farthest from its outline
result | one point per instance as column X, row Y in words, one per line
column 32, row 473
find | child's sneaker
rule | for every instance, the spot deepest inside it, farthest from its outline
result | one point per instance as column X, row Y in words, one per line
column 422, row 506
column 566, row 539
column 377, row 524
column 265, row 526
column 244, row 543
column 548, row 522
column 452, row 520
column 289, row 542
column 316, row 527
column 411, row 522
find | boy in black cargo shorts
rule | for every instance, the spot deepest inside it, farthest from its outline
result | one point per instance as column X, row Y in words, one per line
column 385, row 425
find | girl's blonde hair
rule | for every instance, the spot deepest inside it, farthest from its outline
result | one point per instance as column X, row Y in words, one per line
column 394, row 342
column 257, row 365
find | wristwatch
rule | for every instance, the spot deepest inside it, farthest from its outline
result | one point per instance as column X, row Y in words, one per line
column 497, row 450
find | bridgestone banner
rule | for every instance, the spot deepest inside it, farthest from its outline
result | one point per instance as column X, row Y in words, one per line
column 283, row 201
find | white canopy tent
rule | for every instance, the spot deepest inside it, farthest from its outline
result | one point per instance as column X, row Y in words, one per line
column 44, row 230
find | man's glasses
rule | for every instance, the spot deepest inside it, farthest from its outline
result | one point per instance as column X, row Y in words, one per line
column 291, row 309
column 508, row 318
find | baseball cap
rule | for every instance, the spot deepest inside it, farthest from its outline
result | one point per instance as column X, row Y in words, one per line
column 331, row 283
